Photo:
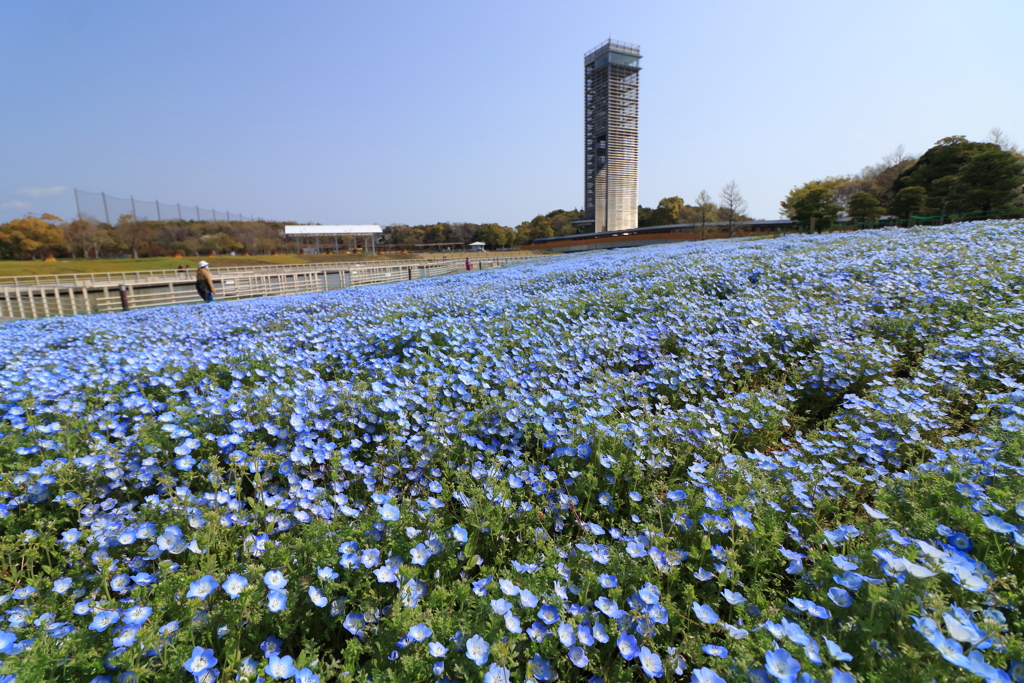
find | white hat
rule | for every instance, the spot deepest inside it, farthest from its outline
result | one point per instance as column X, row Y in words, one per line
column 203, row 264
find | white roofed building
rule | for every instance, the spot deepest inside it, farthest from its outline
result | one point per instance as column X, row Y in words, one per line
column 308, row 237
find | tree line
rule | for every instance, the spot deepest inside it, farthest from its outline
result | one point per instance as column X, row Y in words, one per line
column 730, row 209
column 955, row 178
column 49, row 236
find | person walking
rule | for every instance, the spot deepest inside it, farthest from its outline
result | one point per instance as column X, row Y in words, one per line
column 204, row 282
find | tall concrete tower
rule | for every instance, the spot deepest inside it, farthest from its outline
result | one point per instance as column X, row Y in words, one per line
column 611, row 97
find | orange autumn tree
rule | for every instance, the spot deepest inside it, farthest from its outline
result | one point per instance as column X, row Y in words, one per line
column 31, row 236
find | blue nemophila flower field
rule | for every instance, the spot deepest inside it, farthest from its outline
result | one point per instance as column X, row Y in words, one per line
column 785, row 460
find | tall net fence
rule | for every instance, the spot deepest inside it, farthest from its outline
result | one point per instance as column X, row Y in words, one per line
column 100, row 207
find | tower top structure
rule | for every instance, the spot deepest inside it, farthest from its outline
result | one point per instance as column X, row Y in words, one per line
column 611, row 145
column 614, row 52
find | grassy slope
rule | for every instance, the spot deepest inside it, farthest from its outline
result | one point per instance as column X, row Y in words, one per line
column 8, row 268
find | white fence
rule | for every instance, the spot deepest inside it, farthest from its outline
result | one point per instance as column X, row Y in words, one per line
column 42, row 296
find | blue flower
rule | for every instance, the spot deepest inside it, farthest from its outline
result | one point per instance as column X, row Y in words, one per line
column 528, row 599
column 496, row 674
column 134, row 616
column 353, row 623
column 842, row 676
column 715, row 651
column 626, row 643
column 608, row 607
column 578, row 657
column 781, row 665
column 651, row 663
column 277, row 601
column 733, row 598
column 873, row 513
column 317, row 596
column 102, row 620
column 840, row 597
column 280, row 667
column 547, row 614
column 961, row 542
column 274, row 580
column 607, row 580
column 200, row 661
column 538, row 668
column 202, row 588
column 478, row 650
column 705, row 613
column 306, row 676
column 705, row 675
column 836, row 652
column 389, row 512
column 420, row 632
column 996, row 524
column 23, row 592
column 234, row 585
column 369, row 558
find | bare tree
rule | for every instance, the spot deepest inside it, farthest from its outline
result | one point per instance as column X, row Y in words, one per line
column 705, row 212
column 77, row 235
column 997, row 137
column 132, row 232
column 896, row 157
column 732, row 207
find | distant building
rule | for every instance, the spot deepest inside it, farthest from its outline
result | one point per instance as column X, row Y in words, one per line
column 611, row 97
column 477, row 246
column 307, row 237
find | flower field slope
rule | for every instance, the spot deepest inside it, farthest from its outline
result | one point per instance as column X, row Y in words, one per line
column 786, row 460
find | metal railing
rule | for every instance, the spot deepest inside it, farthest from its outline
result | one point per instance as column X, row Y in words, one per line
column 122, row 291
column 86, row 279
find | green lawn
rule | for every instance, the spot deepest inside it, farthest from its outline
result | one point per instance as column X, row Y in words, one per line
column 9, row 268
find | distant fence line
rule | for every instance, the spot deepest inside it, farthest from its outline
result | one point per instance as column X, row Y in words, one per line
column 101, row 207
column 43, row 296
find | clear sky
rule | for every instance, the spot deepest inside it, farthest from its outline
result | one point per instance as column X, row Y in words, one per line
column 416, row 112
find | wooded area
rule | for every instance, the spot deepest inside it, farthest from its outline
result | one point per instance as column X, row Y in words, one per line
column 954, row 179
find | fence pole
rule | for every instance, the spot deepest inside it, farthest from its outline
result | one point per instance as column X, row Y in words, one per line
column 158, row 210
column 77, row 206
column 105, row 211
column 197, row 214
column 136, row 218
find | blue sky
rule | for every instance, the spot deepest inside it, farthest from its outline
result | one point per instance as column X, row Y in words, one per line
column 416, row 112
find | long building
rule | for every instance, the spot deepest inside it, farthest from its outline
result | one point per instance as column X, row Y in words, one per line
column 611, row 98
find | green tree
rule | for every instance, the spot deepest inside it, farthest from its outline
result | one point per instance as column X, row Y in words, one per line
column 495, row 236
column 669, row 212
column 816, row 203
column 643, row 216
column 937, row 168
column 988, row 182
column 864, row 206
column 908, row 201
